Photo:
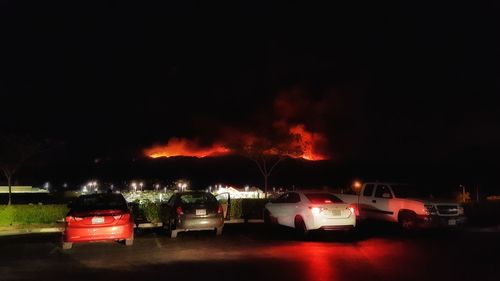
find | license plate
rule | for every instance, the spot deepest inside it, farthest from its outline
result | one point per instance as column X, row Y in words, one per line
column 452, row 222
column 201, row 212
column 336, row 213
column 97, row 220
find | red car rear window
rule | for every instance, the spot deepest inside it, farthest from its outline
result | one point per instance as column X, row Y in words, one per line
column 100, row 202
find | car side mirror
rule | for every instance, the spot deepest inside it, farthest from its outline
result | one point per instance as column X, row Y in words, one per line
column 386, row 195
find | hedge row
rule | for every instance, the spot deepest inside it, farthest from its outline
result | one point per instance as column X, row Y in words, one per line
column 31, row 214
column 145, row 211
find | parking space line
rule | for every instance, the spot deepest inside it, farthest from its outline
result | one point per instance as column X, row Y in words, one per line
column 157, row 241
column 54, row 250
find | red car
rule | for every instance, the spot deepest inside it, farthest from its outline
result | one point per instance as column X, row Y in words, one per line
column 98, row 217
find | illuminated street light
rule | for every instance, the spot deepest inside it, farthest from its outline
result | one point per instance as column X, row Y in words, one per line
column 356, row 185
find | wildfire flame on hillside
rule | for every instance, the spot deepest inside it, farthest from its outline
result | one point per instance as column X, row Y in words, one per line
column 302, row 139
column 184, row 147
column 289, row 137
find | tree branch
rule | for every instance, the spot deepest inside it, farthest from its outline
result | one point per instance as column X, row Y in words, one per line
column 281, row 158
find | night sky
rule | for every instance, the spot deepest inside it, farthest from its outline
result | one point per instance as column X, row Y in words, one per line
column 400, row 90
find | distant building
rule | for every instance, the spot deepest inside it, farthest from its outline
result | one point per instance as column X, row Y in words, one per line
column 247, row 192
column 23, row 189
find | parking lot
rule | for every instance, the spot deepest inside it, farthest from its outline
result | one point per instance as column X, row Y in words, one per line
column 250, row 252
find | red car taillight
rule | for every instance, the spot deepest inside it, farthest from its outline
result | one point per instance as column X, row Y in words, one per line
column 220, row 210
column 179, row 211
column 71, row 219
column 125, row 218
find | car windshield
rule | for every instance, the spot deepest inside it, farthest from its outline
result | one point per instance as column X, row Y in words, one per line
column 322, row 198
column 197, row 198
column 408, row 191
column 100, row 202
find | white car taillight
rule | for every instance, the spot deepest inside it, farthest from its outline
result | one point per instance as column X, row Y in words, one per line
column 317, row 210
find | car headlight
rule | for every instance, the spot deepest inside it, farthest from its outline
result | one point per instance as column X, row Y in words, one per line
column 430, row 209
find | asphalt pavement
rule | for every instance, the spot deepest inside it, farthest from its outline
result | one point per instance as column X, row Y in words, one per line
column 252, row 252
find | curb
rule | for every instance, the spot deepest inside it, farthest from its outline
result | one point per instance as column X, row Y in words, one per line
column 141, row 225
column 30, row 231
column 234, row 221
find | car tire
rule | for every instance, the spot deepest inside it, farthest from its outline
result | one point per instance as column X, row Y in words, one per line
column 407, row 221
column 267, row 218
column 67, row 245
column 218, row 231
column 129, row 242
column 165, row 228
column 300, row 227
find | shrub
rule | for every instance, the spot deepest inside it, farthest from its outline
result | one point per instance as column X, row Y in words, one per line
column 253, row 208
column 486, row 213
column 31, row 214
column 6, row 215
column 144, row 210
column 236, row 209
column 151, row 211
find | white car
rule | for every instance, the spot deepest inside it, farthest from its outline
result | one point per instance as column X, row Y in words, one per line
column 310, row 210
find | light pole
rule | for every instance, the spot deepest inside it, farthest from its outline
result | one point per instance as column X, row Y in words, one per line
column 463, row 193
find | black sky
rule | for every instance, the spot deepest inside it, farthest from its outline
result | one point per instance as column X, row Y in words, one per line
column 399, row 82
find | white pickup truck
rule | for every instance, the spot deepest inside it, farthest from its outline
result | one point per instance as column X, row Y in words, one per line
column 403, row 204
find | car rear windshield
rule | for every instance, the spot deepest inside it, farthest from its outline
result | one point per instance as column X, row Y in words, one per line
column 322, row 198
column 197, row 198
column 100, row 202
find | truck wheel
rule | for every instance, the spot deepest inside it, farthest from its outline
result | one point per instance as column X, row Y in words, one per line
column 300, row 227
column 407, row 221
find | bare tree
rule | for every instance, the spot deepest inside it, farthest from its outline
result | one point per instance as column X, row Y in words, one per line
column 267, row 154
column 14, row 152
